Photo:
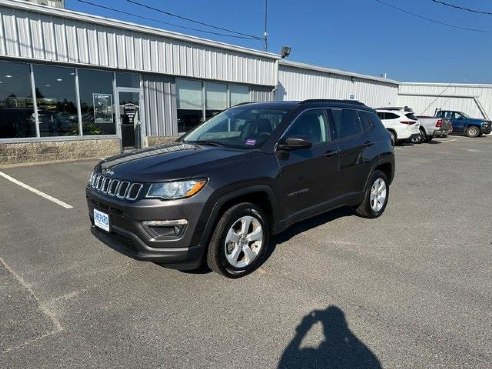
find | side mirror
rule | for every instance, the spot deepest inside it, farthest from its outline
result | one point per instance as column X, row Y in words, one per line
column 293, row 143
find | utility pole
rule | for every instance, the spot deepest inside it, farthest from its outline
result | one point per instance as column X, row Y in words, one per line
column 265, row 34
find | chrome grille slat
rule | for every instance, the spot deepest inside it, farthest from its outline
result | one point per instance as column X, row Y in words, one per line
column 134, row 191
column 115, row 187
column 123, row 190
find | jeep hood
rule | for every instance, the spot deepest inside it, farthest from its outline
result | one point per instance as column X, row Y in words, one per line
column 168, row 162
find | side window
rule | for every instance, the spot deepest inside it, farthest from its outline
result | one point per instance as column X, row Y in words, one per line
column 310, row 125
column 347, row 122
column 366, row 119
column 381, row 115
column 392, row 116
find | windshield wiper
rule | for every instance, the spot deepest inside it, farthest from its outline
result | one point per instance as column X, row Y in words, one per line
column 206, row 142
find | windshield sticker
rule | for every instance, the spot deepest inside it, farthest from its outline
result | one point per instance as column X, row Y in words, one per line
column 250, row 142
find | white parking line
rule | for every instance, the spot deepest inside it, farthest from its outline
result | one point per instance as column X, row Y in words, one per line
column 37, row 192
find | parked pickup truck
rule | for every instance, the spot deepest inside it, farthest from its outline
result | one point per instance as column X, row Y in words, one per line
column 471, row 127
column 431, row 127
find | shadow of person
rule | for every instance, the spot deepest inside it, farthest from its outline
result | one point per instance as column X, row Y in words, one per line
column 340, row 349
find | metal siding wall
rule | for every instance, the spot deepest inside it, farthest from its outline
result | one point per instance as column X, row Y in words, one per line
column 301, row 84
column 38, row 36
column 261, row 94
column 425, row 98
column 160, row 105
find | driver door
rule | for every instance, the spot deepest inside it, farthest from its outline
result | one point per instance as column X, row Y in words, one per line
column 308, row 176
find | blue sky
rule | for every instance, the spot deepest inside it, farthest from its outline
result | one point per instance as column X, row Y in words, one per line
column 363, row 36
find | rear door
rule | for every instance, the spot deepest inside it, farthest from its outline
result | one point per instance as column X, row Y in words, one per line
column 308, row 176
column 353, row 140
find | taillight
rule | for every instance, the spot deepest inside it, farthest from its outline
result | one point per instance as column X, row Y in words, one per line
column 439, row 123
column 408, row 122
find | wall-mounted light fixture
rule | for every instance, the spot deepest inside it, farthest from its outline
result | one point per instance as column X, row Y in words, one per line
column 285, row 51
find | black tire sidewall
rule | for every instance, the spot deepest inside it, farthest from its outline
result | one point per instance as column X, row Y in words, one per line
column 232, row 215
column 377, row 174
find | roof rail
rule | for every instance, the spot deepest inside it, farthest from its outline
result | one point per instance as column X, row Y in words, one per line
column 355, row 102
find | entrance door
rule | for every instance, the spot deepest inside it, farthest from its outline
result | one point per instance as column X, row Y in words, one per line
column 129, row 118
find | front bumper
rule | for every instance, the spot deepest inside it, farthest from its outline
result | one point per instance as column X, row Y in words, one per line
column 486, row 130
column 129, row 235
column 131, row 245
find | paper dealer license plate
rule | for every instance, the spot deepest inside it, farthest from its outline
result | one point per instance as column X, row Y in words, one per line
column 101, row 220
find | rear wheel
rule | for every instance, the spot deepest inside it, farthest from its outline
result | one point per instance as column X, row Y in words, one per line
column 472, row 131
column 393, row 138
column 376, row 196
column 420, row 138
column 239, row 241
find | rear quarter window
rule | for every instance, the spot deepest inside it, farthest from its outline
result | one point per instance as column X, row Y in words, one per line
column 347, row 122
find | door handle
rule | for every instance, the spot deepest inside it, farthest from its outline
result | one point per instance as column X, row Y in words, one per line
column 330, row 153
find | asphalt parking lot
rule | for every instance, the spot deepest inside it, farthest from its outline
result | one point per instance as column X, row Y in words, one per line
column 411, row 289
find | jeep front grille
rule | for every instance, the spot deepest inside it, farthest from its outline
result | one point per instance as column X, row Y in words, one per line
column 115, row 187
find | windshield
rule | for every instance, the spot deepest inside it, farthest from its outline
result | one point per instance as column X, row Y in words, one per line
column 244, row 127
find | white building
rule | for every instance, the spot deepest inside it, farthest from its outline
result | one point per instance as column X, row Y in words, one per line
column 77, row 85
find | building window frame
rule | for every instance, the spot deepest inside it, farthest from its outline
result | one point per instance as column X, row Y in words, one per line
column 80, row 136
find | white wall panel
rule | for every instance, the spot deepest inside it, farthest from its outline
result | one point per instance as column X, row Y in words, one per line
column 425, row 98
column 65, row 36
column 307, row 82
column 160, row 106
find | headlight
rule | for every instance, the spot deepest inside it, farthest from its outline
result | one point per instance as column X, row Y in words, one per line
column 175, row 190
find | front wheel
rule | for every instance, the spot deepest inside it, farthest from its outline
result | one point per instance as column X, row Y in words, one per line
column 472, row 131
column 376, row 196
column 239, row 241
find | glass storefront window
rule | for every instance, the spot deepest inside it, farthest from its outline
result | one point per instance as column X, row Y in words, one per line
column 55, row 97
column 239, row 94
column 190, row 104
column 16, row 103
column 216, row 98
column 125, row 79
column 96, row 102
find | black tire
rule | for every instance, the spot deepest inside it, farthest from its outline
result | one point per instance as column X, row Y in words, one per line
column 365, row 209
column 429, row 139
column 217, row 248
column 393, row 138
column 472, row 131
column 422, row 138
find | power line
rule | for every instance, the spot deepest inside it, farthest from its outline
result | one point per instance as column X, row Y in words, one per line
column 462, row 7
column 162, row 22
column 192, row 20
column 430, row 19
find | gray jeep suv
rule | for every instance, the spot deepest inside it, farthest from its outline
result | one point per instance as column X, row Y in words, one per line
column 220, row 192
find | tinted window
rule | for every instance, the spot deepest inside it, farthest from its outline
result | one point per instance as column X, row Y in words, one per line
column 411, row 116
column 16, row 103
column 125, row 79
column 96, row 102
column 391, row 116
column 310, row 125
column 381, row 115
column 347, row 122
column 190, row 104
column 368, row 119
column 55, row 96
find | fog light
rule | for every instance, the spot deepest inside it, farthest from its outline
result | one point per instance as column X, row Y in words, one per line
column 166, row 228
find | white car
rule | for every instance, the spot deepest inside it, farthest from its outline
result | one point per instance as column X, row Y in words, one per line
column 400, row 123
